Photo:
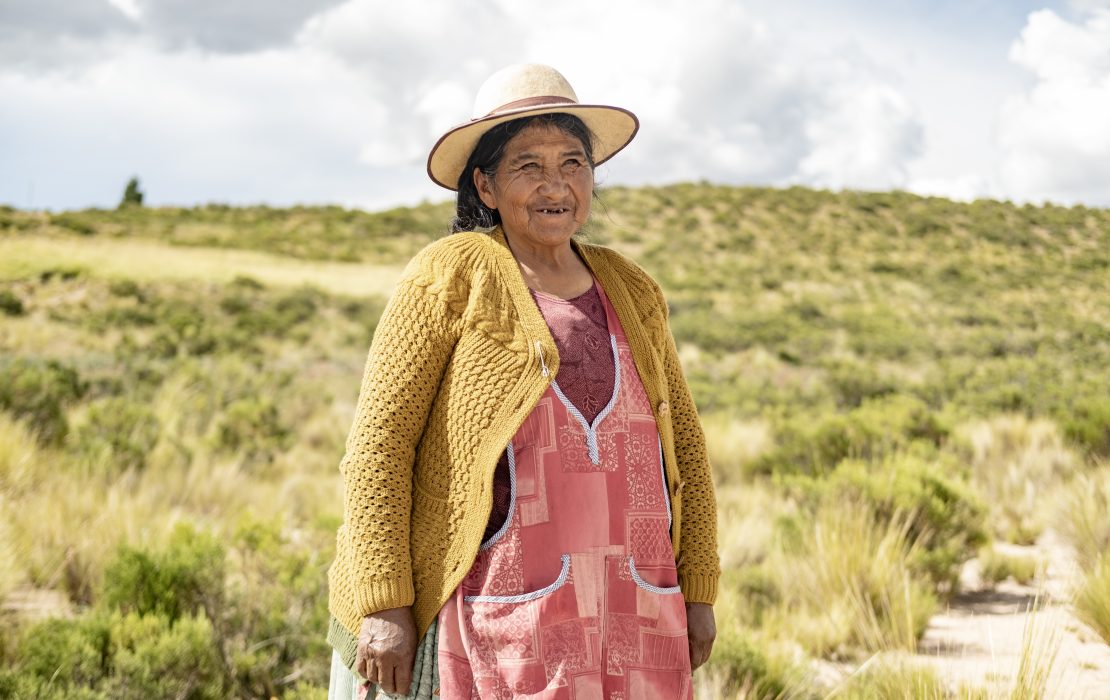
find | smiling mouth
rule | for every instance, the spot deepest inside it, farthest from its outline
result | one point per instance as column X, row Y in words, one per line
column 554, row 210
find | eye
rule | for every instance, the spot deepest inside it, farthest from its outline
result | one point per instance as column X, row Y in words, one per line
column 572, row 163
column 530, row 167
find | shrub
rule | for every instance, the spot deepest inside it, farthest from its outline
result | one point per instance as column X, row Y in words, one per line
column 877, row 427
column 74, row 222
column 10, row 304
column 39, row 393
column 1087, row 423
column 184, row 579
column 102, row 656
column 943, row 516
column 120, row 430
column 741, row 666
column 156, row 657
column 278, row 595
column 126, row 288
column 68, row 652
column 253, row 426
column 856, row 382
column 994, row 566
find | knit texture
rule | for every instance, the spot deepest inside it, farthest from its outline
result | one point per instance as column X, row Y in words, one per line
column 452, row 373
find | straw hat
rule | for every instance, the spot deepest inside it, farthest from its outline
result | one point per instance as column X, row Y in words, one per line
column 521, row 91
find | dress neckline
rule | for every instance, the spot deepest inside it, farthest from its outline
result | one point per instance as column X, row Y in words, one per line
column 560, row 300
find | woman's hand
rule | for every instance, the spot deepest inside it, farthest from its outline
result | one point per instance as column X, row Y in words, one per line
column 387, row 648
column 701, row 628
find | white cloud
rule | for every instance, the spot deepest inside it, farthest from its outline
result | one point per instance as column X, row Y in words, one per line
column 863, row 137
column 1090, row 5
column 1055, row 137
column 720, row 95
column 349, row 109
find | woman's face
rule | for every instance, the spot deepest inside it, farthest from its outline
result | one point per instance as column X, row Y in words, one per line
column 541, row 188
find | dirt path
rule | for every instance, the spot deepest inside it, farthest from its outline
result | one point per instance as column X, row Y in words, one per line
column 979, row 638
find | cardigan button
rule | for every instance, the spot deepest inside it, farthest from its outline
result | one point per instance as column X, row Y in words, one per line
column 664, row 408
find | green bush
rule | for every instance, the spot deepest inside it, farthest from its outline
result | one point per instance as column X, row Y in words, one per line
column 947, row 520
column 110, row 656
column 744, row 665
column 878, row 427
column 10, row 304
column 156, row 657
column 69, row 652
column 184, row 579
column 252, row 426
column 126, row 288
column 280, row 595
column 121, row 430
column 1087, row 423
column 39, row 393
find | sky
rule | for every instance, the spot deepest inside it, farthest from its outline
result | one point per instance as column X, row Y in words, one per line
column 339, row 101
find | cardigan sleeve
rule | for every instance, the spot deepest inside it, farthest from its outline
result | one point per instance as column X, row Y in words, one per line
column 699, row 567
column 410, row 350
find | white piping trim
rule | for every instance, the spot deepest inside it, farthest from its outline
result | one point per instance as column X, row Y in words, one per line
column 650, row 588
column 512, row 501
column 666, row 488
column 539, row 349
column 525, row 597
column 591, row 430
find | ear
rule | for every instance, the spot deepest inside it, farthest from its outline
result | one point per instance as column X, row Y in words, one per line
column 483, row 184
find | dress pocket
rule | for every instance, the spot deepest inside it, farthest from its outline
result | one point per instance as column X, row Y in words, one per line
column 649, row 587
column 547, row 590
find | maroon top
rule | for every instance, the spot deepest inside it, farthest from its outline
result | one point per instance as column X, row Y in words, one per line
column 586, row 372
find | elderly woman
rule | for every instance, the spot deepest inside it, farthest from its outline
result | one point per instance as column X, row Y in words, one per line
column 529, row 509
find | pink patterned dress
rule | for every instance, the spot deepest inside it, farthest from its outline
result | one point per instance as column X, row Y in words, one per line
column 575, row 594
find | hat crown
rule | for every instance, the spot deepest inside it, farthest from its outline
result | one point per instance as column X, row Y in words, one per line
column 526, row 81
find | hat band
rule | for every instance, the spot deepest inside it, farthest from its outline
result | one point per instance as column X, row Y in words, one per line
column 532, row 102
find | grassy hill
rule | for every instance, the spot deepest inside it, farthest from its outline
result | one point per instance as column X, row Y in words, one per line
column 918, row 375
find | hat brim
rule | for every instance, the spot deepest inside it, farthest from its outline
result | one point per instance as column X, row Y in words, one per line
column 612, row 127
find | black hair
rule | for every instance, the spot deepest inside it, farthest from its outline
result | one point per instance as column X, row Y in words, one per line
column 470, row 212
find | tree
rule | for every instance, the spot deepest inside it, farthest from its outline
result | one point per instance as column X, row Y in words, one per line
column 132, row 195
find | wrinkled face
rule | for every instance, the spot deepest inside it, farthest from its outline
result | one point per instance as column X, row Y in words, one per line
column 541, row 188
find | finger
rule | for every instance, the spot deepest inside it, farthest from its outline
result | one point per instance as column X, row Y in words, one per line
column 403, row 677
column 385, row 679
column 697, row 655
column 360, row 660
column 372, row 671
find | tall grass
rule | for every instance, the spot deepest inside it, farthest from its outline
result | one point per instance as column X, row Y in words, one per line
column 1040, row 648
column 1082, row 515
column 853, row 568
column 1017, row 464
column 1092, row 602
column 734, row 445
column 892, row 679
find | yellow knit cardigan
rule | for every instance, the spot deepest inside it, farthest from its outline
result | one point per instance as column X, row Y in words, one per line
column 453, row 370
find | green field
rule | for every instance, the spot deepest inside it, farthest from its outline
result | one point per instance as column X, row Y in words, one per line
column 889, row 383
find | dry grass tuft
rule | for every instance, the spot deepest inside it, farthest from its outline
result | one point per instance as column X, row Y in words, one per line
column 853, row 569
column 735, row 444
column 1082, row 516
column 1016, row 462
column 1092, row 602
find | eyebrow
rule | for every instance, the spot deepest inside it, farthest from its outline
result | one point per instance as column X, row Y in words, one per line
column 535, row 156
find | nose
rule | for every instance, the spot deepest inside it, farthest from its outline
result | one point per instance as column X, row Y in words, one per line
column 553, row 180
